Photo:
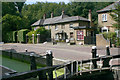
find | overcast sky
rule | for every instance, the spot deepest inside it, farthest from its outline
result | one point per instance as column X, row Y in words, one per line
column 34, row 1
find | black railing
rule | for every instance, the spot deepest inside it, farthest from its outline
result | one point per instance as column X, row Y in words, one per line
column 70, row 69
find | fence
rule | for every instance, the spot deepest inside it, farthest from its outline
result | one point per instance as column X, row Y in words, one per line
column 71, row 69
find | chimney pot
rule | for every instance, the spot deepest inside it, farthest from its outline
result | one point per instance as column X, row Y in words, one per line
column 52, row 15
column 62, row 12
column 44, row 16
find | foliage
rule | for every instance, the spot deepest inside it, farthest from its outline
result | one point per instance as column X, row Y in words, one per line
column 22, row 35
column 111, row 36
column 19, row 5
column 36, row 11
column 116, row 17
column 11, row 22
column 8, row 8
column 29, row 34
column 14, row 36
column 44, row 34
column 8, row 37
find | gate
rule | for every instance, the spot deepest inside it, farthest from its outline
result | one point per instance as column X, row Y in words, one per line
column 89, row 40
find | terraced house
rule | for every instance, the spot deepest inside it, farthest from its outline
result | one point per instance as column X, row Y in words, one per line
column 105, row 21
column 63, row 27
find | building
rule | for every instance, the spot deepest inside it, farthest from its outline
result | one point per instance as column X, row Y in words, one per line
column 64, row 28
column 105, row 21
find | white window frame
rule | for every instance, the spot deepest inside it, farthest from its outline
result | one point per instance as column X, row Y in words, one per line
column 71, row 25
column 104, row 17
column 105, row 28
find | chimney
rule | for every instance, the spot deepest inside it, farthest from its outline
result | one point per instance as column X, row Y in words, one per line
column 90, row 16
column 44, row 16
column 52, row 15
column 62, row 12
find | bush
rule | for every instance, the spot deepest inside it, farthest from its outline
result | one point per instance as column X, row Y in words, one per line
column 22, row 35
column 29, row 34
column 14, row 36
column 110, row 36
column 44, row 34
column 8, row 37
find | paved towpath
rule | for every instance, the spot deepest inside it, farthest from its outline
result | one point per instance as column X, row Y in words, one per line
column 60, row 51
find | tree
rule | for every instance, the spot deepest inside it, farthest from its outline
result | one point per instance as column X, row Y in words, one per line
column 8, row 8
column 19, row 5
column 116, row 17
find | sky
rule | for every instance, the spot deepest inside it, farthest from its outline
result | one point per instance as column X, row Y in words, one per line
column 57, row 1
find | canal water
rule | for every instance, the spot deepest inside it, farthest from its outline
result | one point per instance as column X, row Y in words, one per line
column 14, row 64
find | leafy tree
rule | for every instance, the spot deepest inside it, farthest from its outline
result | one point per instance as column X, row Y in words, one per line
column 116, row 17
column 8, row 8
column 19, row 5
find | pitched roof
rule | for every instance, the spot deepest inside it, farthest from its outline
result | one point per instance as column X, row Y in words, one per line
column 59, row 19
column 109, row 8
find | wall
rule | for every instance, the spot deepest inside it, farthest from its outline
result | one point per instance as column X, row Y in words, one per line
column 101, row 41
column 66, row 28
column 108, row 23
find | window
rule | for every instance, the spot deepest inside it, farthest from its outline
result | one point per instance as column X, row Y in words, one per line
column 56, row 27
column 71, row 26
column 104, row 17
column 80, row 35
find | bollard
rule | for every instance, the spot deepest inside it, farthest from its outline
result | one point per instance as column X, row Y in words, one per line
column 106, row 61
column 32, row 62
column 26, row 50
column 49, row 62
column 94, row 52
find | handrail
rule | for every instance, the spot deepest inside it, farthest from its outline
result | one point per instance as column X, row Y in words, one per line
column 28, row 74
column 98, row 58
column 32, row 73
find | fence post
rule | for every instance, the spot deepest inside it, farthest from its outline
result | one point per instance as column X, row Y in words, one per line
column 106, row 61
column 94, row 52
column 49, row 62
column 32, row 62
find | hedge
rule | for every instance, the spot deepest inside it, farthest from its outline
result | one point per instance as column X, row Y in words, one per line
column 14, row 36
column 9, row 36
column 22, row 35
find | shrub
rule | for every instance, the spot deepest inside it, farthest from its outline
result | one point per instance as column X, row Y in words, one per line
column 29, row 34
column 22, row 35
column 8, row 36
column 44, row 34
column 110, row 36
column 14, row 36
